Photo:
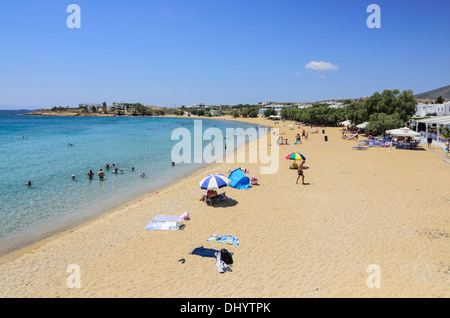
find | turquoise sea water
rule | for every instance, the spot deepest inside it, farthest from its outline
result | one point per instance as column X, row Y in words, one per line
column 55, row 200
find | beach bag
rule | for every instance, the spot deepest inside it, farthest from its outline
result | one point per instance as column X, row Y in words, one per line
column 226, row 256
column 185, row 216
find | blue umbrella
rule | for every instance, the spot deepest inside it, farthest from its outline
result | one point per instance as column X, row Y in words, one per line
column 214, row 181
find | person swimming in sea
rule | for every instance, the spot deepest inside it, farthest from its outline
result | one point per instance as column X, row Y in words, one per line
column 28, row 183
column 90, row 174
column 101, row 174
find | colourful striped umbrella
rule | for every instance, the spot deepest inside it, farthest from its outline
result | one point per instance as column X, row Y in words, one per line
column 214, row 181
column 295, row 156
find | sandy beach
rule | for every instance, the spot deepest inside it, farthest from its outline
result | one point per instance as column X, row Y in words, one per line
column 357, row 209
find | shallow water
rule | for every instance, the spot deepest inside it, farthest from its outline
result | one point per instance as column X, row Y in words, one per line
column 45, row 157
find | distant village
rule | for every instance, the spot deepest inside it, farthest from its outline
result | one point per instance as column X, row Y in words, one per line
column 425, row 107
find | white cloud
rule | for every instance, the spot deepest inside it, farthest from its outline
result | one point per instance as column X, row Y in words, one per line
column 322, row 76
column 297, row 73
column 321, row 66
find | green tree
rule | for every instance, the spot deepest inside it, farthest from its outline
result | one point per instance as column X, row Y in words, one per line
column 270, row 112
column 445, row 132
column 380, row 122
column 104, row 109
column 253, row 113
column 439, row 100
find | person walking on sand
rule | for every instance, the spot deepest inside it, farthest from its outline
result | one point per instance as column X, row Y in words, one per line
column 447, row 149
column 300, row 172
column 429, row 140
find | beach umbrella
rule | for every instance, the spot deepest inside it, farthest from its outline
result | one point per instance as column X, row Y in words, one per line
column 214, row 181
column 405, row 131
column 363, row 125
column 295, row 156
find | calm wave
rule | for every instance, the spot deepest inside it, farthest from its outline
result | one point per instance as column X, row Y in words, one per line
column 55, row 148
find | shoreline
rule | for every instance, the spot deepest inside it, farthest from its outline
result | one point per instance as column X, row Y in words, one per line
column 27, row 246
column 316, row 240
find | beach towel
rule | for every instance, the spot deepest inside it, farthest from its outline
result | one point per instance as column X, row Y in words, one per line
column 164, row 218
column 204, row 252
column 184, row 216
column 228, row 239
column 163, row 225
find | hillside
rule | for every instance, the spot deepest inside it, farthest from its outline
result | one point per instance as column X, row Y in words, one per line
column 443, row 91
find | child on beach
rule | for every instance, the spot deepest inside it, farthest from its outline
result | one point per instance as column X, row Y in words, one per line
column 300, row 172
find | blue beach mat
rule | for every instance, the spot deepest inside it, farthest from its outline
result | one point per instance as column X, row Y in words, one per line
column 228, row 239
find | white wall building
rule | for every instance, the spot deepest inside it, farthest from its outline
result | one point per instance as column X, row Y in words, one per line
column 277, row 107
column 200, row 106
column 120, row 105
column 440, row 109
column 215, row 112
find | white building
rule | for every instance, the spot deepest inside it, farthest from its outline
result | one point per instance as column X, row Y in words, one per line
column 277, row 107
column 120, row 105
column 440, row 109
column 337, row 105
column 200, row 106
column 215, row 112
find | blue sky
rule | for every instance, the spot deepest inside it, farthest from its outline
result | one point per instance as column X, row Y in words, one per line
column 181, row 52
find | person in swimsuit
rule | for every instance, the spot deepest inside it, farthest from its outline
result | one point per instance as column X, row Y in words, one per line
column 90, row 174
column 101, row 174
column 300, row 172
column 209, row 194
